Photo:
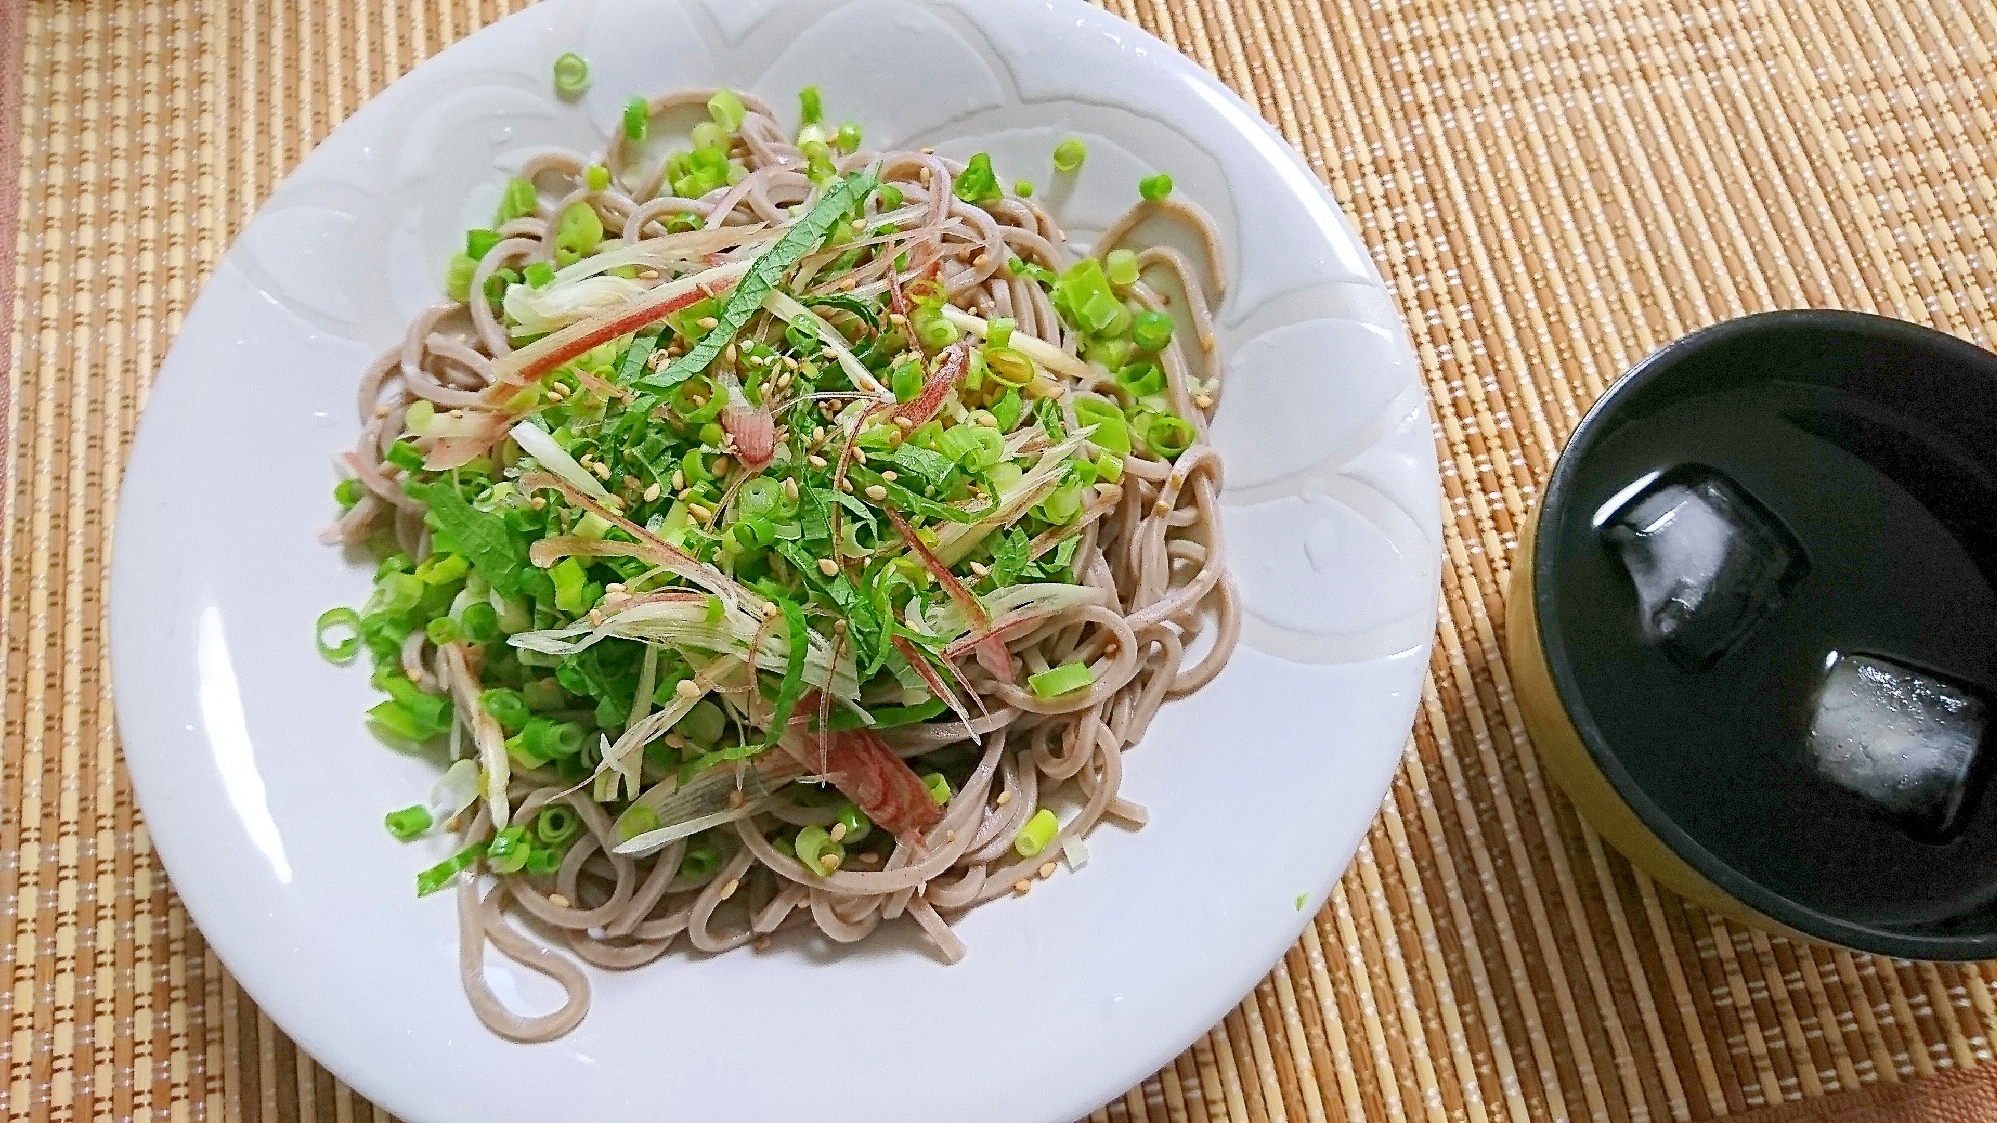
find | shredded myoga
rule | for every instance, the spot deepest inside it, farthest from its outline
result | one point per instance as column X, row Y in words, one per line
column 780, row 532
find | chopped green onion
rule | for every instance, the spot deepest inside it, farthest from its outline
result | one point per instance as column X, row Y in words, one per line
column 1009, row 366
column 349, row 492
column 998, row 331
column 1037, row 833
column 408, row 822
column 938, row 785
column 507, row 852
column 538, row 274
column 709, row 136
column 343, row 650
column 392, row 717
column 702, row 859
column 857, row 825
column 1141, row 379
column 543, row 861
column 637, row 114
column 1110, row 353
column 1069, row 154
column 443, row 569
column 1056, row 681
column 1023, row 188
column 976, row 447
column 548, row 739
column 401, row 592
column 458, row 277
column 442, row 630
column 637, row 819
column 703, row 724
column 935, row 332
column 1122, row 268
column 1151, row 331
column 506, row 707
column 478, row 243
column 578, row 232
column 906, row 381
column 1111, row 434
column 406, row 456
column 817, row 851
column 727, row 109
column 520, row 200
column 1169, row 435
column 887, row 197
column 978, row 183
column 847, row 139
column 479, row 622
column 811, row 110
column 715, row 609
column 596, row 177
column 571, row 74
column 1086, row 292
column 1154, row 187
column 556, row 824
column 440, row 875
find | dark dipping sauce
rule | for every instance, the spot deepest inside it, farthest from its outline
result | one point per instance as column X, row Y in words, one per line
column 1869, row 448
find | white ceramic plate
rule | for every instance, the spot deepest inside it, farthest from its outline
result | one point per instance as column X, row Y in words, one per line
column 264, row 793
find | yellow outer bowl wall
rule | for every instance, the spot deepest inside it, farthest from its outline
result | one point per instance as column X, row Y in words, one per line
column 1574, row 767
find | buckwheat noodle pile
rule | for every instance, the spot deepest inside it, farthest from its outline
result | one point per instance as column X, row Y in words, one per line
column 1153, row 613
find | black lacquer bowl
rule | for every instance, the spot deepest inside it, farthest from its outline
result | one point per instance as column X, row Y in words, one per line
column 1753, row 627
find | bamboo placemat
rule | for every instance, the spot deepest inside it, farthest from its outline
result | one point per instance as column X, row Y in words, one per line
column 1551, row 189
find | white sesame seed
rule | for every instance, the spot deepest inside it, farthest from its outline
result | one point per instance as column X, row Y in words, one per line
column 708, row 323
column 846, row 485
column 1004, row 798
column 980, row 570
column 1021, row 886
column 1203, row 401
column 539, row 503
column 949, row 836
column 816, row 461
column 859, row 456
column 829, row 862
column 890, row 475
column 697, row 511
column 827, row 566
column 837, row 833
column 687, row 688
column 769, row 610
column 790, row 489
column 1046, row 871
column 905, row 422
column 652, row 493
column 729, row 889
column 648, row 274
column 876, row 492
column 679, row 479
column 557, row 900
